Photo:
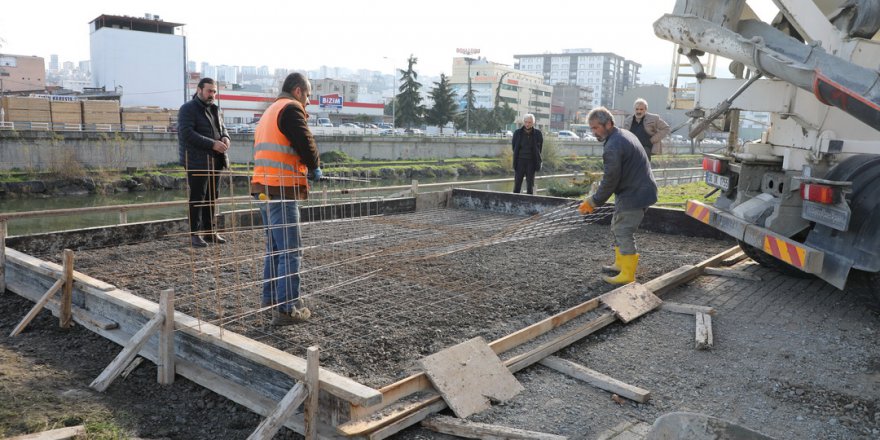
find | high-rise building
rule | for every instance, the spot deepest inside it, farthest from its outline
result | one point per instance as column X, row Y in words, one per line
column 607, row 73
column 491, row 82
column 53, row 62
column 191, row 66
column 118, row 45
column 85, row 67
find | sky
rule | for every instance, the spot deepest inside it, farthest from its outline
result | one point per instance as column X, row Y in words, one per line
column 375, row 35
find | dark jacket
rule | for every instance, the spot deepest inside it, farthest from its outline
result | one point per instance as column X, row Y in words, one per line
column 196, row 134
column 628, row 173
column 516, row 143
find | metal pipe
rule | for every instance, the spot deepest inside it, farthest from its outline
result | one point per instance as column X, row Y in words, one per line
column 834, row 81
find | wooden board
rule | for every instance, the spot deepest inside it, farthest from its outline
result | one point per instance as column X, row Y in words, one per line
column 732, row 273
column 55, row 434
column 596, row 379
column 688, row 309
column 630, row 301
column 468, row 375
column 466, row 429
column 704, row 339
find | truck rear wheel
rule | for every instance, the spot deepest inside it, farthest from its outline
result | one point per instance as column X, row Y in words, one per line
column 771, row 262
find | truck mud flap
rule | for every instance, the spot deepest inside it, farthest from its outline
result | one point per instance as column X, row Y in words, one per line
column 803, row 257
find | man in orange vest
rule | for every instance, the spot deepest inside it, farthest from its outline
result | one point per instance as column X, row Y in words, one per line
column 285, row 159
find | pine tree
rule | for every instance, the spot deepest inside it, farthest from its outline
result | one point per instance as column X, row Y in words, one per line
column 444, row 109
column 409, row 101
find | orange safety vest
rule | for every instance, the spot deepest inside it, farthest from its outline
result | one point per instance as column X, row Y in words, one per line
column 276, row 163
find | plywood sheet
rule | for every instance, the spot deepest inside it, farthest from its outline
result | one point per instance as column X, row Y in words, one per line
column 630, row 301
column 469, row 376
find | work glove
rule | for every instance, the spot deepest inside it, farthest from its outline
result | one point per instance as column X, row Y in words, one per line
column 587, row 206
column 315, row 175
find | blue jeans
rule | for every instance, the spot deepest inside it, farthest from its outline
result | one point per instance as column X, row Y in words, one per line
column 283, row 253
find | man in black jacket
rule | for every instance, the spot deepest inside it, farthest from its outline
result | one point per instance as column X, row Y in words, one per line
column 203, row 142
column 528, row 142
column 628, row 176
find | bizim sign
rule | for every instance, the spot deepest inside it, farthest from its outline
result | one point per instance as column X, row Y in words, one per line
column 330, row 101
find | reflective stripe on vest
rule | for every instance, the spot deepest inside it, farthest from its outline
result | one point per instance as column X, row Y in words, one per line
column 276, row 163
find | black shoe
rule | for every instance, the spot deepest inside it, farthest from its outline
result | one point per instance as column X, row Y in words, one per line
column 197, row 241
column 215, row 238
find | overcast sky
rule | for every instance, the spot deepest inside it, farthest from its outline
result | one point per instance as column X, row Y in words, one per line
column 361, row 34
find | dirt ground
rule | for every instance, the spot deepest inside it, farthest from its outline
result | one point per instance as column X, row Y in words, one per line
column 773, row 367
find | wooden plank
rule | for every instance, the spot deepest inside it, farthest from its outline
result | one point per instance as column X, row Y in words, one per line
column 55, row 434
column 408, row 420
column 541, row 327
column 704, row 339
column 419, row 382
column 65, row 315
column 165, row 370
column 468, row 375
column 596, row 379
column 389, row 416
column 517, row 363
column 630, row 301
column 243, row 346
column 128, row 353
column 310, row 414
column 467, row 429
column 736, row 258
column 285, row 409
column 136, row 362
column 732, row 273
column 671, row 280
column 35, row 310
column 54, row 270
column 687, row 309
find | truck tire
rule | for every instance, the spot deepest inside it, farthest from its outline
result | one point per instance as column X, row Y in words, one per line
column 771, row 262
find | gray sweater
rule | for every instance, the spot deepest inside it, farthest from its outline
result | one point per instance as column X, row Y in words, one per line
column 628, row 173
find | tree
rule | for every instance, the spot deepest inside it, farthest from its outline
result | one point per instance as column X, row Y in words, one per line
column 444, row 109
column 504, row 116
column 409, row 102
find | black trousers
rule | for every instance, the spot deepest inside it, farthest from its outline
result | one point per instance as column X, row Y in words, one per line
column 203, row 193
column 524, row 168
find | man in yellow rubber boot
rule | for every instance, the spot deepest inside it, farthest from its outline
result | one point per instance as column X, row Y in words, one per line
column 629, row 177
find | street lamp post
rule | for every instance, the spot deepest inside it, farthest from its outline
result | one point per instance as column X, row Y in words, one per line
column 467, row 119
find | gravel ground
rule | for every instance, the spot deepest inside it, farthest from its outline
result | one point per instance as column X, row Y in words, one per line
column 810, row 371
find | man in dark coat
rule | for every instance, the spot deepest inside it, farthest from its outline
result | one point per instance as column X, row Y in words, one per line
column 528, row 142
column 203, row 143
column 628, row 176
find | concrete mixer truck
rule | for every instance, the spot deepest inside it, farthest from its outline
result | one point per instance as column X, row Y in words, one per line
column 805, row 198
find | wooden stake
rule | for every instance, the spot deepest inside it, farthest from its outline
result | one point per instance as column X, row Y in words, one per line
column 703, row 332
column 687, row 309
column 64, row 314
column 310, row 418
column 36, row 308
column 131, row 349
column 285, row 409
column 165, row 374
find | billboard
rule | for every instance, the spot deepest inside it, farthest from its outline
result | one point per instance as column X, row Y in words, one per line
column 330, row 101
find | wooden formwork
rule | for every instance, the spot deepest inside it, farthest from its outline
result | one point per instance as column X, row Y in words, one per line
column 258, row 376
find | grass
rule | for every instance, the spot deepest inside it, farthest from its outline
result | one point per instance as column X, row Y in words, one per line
column 680, row 194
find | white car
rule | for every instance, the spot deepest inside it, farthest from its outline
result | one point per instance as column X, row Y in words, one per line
column 565, row 134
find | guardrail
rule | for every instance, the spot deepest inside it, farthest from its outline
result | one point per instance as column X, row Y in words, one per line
column 667, row 176
column 66, row 126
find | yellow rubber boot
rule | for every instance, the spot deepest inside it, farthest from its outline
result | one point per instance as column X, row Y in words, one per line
column 614, row 268
column 628, row 265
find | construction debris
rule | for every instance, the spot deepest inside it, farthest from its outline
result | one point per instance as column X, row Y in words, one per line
column 467, row 429
column 597, row 379
column 704, row 332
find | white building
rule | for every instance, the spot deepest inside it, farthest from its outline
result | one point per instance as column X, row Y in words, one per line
column 143, row 58
column 607, row 73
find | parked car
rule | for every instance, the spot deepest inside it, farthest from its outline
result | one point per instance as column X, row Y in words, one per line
column 348, row 125
column 589, row 137
column 324, row 122
column 413, row 132
column 566, row 134
column 371, row 126
column 505, row 133
column 385, row 125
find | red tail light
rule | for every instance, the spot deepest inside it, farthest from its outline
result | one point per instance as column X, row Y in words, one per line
column 819, row 193
column 714, row 165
